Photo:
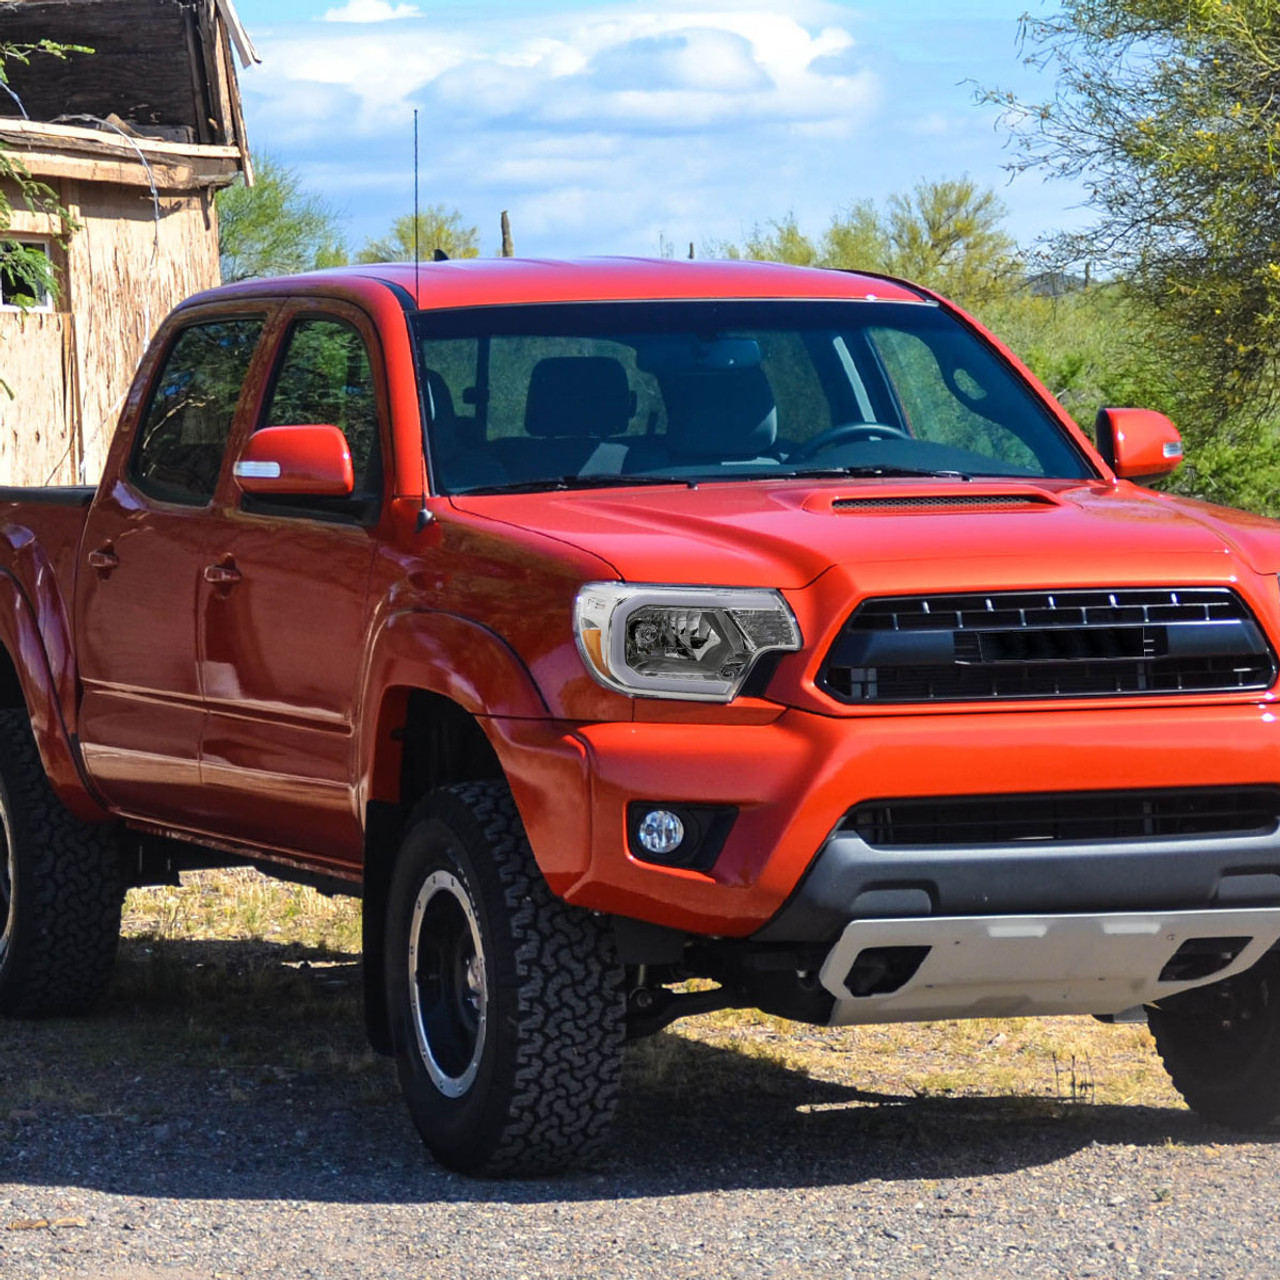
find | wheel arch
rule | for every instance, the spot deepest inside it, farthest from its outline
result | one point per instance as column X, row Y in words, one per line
column 446, row 700
column 424, row 740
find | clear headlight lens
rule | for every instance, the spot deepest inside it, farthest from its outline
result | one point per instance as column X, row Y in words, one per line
column 679, row 642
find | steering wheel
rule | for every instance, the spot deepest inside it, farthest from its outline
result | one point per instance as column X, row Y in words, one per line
column 844, row 432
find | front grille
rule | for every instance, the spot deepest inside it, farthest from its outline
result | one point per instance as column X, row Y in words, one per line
column 1048, row 644
column 1071, row 816
column 943, row 502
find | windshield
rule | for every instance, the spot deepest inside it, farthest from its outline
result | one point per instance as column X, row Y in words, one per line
column 594, row 394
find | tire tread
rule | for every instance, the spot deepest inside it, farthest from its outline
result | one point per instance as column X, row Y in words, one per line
column 571, row 1007
column 1239, row 1094
column 69, row 892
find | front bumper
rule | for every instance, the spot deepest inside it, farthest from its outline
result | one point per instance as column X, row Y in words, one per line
column 794, row 778
column 849, row 880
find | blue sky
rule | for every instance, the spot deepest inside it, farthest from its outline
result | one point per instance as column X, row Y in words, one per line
column 607, row 126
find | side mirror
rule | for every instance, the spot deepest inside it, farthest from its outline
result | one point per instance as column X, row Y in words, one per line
column 310, row 461
column 1138, row 444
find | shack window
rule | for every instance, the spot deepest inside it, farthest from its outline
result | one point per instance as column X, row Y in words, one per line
column 20, row 282
column 180, row 446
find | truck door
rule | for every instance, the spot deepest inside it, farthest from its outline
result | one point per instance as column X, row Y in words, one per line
column 144, row 545
column 281, row 614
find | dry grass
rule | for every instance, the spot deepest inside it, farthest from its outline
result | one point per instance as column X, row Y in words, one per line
column 198, row 959
column 242, row 903
column 1064, row 1060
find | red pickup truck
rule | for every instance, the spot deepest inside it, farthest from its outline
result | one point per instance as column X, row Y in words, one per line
column 611, row 624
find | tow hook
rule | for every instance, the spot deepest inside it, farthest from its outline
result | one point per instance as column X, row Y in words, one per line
column 650, row 1009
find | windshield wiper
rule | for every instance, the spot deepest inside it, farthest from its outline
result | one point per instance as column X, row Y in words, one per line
column 558, row 483
column 880, row 470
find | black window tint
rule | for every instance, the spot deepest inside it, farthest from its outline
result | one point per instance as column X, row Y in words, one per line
column 180, row 446
column 326, row 377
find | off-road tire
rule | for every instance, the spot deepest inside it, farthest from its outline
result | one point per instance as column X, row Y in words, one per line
column 1221, row 1046
column 60, row 890
column 523, row 1052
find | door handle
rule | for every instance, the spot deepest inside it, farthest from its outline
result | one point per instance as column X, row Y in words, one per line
column 222, row 575
column 104, row 560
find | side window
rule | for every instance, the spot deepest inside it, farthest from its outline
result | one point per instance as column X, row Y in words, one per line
column 958, row 412
column 326, row 377
column 178, row 453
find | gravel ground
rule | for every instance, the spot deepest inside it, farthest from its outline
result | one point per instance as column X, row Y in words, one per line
column 150, row 1151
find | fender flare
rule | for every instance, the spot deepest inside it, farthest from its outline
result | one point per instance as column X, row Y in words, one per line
column 441, row 653
column 44, row 685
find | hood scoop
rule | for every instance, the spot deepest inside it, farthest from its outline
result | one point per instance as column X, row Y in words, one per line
column 931, row 502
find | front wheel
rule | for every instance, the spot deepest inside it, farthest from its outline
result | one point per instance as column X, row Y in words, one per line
column 1221, row 1046
column 507, row 1004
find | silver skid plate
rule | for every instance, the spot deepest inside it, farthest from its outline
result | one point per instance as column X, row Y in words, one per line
column 1020, row 966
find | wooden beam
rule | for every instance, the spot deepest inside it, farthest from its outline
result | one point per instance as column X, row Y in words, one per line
column 214, row 75
column 241, row 138
column 66, row 135
column 239, row 36
column 204, row 126
column 168, row 177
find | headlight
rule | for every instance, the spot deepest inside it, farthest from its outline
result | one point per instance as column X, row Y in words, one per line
column 679, row 642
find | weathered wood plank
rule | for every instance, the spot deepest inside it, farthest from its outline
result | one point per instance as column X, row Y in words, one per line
column 49, row 164
column 139, row 71
column 99, row 141
column 37, row 432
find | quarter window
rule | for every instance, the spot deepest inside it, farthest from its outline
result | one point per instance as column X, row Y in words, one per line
column 180, row 447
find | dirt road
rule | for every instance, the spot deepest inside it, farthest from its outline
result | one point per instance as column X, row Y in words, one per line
column 221, row 1118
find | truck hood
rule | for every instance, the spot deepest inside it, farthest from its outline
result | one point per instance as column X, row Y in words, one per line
column 787, row 533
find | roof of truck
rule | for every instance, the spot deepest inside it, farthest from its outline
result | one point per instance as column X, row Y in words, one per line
column 470, row 282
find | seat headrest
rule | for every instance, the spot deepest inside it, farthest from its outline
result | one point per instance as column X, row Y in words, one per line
column 444, row 418
column 720, row 413
column 579, row 396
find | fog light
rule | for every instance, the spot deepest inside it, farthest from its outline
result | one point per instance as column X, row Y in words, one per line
column 660, row 832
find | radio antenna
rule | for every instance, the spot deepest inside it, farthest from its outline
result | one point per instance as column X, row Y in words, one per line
column 415, row 207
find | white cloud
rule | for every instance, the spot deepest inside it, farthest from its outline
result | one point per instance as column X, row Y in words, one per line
column 660, row 68
column 370, row 11
column 602, row 128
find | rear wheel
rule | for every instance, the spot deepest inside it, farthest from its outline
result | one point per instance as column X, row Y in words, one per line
column 60, row 890
column 1221, row 1046
column 507, row 1004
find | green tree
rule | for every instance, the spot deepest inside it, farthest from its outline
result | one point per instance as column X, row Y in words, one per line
column 438, row 228
column 1168, row 111
column 858, row 238
column 947, row 235
column 27, row 272
column 275, row 227
column 781, row 241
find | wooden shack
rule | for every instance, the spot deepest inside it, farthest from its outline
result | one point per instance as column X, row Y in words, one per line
column 134, row 139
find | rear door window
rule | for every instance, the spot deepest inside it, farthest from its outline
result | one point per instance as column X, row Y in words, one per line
column 180, row 447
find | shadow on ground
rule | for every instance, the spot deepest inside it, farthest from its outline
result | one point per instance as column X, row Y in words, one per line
column 238, row 1070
